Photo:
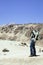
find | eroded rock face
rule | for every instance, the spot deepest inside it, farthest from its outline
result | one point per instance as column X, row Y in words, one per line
column 17, row 32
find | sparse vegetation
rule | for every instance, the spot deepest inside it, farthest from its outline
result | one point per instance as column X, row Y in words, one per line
column 5, row 50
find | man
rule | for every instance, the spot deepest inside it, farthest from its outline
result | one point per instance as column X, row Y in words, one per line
column 34, row 37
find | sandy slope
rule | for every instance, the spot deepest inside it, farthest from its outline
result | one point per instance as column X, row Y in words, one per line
column 18, row 55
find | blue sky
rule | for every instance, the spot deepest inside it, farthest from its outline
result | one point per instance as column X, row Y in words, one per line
column 21, row 11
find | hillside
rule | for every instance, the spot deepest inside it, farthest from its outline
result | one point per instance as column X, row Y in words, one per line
column 20, row 32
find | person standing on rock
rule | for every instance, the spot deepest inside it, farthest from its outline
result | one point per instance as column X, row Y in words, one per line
column 34, row 37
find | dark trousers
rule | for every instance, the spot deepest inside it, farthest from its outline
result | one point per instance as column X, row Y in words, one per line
column 32, row 48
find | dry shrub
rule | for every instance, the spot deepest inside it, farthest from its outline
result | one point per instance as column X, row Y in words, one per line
column 5, row 50
column 23, row 44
